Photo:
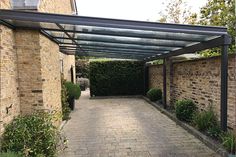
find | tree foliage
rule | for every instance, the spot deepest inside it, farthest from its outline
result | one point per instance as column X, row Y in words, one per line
column 177, row 11
column 219, row 13
column 214, row 13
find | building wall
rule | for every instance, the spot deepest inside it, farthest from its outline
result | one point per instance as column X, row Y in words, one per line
column 51, row 78
column 61, row 7
column 68, row 61
column 30, row 75
column 9, row 94
column 29, row 68
column 198, row 80
column 56, row 6
column 155, row 76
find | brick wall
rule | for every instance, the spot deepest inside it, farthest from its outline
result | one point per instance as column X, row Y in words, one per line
column 9, row 94
column 51, row 77
column 68, row 62
column 30, row 67
column 61, row 7
column 56, row 6
column 198, row 80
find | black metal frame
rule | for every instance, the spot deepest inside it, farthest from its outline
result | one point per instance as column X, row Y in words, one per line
column 126, row 39
column 108, row 32
column 164, row 84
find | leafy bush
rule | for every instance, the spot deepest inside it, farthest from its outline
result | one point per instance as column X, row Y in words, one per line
column 228, row 141
column 82, row 67
column 154, row 94
column 109, row 78
column 185, row 110
column 10, row 154
column 205, row 119
column 73, row 90
column 84, row 83
column 214, row 131
column 33, row 135
column 65, row 105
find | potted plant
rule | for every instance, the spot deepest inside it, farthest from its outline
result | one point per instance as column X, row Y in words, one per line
column 73, row 93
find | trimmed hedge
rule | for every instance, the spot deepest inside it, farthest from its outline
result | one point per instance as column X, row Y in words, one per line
column 110, row 78
column 185, row 110
column 73, row 90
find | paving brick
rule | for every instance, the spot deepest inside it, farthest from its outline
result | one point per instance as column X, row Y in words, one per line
column 127, row 127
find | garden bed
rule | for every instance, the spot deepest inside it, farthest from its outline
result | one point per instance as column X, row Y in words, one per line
column 211, row 143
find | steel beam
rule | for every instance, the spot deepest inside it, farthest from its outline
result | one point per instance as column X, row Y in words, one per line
column 5, row 23
column 107, row 51
column 109, row 23
column 137, row 41
column 113, row 52
column 112, row 56
column 69, row 36
column 190, row 49
column 117, row 49
column 146, row 79
column 164, row 83
column 136, row 34
column 50, row 37
column 224, row 84
column 125, row 46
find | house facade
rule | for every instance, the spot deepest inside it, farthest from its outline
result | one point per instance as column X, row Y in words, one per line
column 31, row 65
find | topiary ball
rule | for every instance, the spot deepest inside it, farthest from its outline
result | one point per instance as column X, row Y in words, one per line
column 185, row 110
column 73, row 90
column 154, row 94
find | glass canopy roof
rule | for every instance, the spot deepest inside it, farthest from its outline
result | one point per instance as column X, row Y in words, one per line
column 100, row 37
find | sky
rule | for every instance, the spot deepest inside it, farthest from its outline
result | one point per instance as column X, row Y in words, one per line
column 141, row 10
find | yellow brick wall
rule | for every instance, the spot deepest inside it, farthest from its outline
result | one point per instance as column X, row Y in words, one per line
column 9, row 94
column 198, row 80
column 60, row 7
column 29, row 69
column 56, row 6
column 68, row 61
column 51, row 78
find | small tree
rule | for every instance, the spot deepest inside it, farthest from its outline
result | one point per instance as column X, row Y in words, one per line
column 177, row 11
column 219, row 13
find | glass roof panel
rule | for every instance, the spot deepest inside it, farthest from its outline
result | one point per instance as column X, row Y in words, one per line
column 110, row 35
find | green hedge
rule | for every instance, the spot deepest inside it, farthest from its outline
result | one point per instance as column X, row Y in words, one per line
column 109, row 78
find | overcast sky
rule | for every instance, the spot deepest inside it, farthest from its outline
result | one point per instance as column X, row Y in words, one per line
column 129, row 9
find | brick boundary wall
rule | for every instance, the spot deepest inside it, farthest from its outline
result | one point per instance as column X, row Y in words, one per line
column 198, row 80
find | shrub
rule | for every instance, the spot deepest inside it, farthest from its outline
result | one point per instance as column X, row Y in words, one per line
column 10, row 154
column 73, row 90
column 32, row 135
column 110, row 78
column 185, row 110
column 82, row 68
column 83, row 82
column 214, row 131
column 154, row 94
column 205, row 120
column 228, row 141
column 65, row 105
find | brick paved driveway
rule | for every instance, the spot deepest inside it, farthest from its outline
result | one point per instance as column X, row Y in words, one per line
column 127, row 127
